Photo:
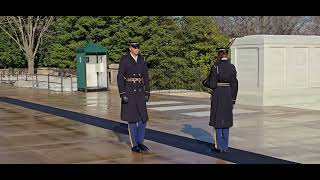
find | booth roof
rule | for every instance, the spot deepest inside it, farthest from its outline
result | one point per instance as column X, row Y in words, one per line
column 92, row 48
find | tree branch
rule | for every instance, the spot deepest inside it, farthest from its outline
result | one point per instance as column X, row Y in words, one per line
column 16, row 35
column 20, row 46
column 44, row 28
column 34, row 30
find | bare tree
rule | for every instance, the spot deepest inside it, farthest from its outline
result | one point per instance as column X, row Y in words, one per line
column 27, row 32
column 238, row 26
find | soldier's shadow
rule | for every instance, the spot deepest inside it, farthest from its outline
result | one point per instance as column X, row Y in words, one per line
column 122, row 138
column 119, row 132
column 198, row 133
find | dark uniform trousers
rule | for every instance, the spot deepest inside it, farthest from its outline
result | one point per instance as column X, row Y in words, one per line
column 221, row 138
column 136, row 132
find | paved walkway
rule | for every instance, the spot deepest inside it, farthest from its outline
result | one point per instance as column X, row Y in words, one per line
column 29, row 136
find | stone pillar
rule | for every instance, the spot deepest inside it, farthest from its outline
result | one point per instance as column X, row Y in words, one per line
column 113, row 72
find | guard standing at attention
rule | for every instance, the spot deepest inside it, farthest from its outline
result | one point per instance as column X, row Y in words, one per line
column 223, row 81
column 133, row 85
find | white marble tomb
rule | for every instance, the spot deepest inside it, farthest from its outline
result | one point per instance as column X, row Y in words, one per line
column 277, row 69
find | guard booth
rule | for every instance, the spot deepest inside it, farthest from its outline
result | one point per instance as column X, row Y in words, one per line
column 92, row 68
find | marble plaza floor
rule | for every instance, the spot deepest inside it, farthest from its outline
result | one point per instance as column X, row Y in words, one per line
column 30, row 136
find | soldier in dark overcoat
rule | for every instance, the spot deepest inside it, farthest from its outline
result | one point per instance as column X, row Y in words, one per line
column 223, row 81
column 133, row 85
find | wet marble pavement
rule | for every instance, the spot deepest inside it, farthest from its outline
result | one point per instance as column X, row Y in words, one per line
column 28, row 136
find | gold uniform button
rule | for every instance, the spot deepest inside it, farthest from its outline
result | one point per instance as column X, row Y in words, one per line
column 134, row 90
column 134, row 75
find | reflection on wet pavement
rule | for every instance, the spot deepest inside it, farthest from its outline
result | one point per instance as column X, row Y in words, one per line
column 28, row 136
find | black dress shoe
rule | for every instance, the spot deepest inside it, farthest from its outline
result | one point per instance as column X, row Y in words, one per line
column 143, row 147
column 136, row 149
column 216, row 150
column 226, row 151
column 213, row 146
